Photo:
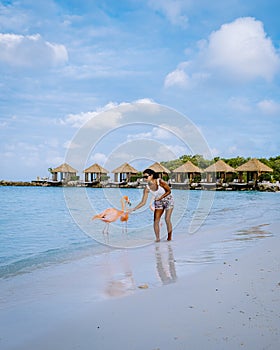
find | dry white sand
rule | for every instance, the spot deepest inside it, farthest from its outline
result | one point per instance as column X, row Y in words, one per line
column 231, row 304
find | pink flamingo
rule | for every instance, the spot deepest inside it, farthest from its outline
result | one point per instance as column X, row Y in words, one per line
column 112, row 214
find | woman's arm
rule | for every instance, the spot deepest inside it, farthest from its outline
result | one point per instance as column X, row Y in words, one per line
column 143, row 200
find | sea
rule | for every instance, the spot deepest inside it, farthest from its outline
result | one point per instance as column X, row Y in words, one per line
column 48, row 226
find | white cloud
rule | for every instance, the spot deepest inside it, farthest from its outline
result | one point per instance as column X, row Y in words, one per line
column 113, row 115
column 31, row 51
column 145, row 101
column 78, row 120
column 70, row 145
column 3, row 125
column 238, row 51
column 178, row 77
column 172, row 9
column 177, row 150
column 11, row 19
column 99, row 158
column 156, row 133
column 242, row 50
column 269, row 107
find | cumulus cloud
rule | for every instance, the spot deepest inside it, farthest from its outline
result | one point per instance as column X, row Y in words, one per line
column 78, row 120
column 112, row 119
column 31, row 51
column 178, row 77
column 237, row 51
column 242, row 48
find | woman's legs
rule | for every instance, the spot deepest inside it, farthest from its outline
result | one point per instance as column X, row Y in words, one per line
column 157, row 215
column 168, row 214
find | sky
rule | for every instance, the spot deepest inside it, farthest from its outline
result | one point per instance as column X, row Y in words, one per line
column 66, row 63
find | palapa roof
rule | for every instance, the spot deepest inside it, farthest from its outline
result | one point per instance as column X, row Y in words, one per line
column 187, row 167
column 221, row 167
column 97, row 169
column 159, row 168
column 125, row 168
column 254, row 165
column 64, row 168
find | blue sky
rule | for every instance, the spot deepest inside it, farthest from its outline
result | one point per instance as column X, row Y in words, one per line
column 63, row 62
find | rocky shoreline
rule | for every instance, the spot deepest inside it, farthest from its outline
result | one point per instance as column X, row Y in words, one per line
column 18, row 183
column 263, row 186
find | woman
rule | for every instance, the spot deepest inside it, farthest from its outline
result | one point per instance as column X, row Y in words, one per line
column 163, row 201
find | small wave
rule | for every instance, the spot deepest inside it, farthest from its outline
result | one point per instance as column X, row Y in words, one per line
column 46, row 258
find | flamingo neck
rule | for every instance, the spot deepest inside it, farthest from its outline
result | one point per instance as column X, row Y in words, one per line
column 123, row 202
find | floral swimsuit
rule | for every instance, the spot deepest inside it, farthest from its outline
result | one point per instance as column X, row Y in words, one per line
column 165, row 203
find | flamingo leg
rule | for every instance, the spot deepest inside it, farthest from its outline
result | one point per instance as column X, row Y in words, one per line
column 123, row 227
column 106, row 228
column 106, row 233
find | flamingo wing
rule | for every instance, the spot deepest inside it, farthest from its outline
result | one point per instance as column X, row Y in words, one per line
column 108, row 215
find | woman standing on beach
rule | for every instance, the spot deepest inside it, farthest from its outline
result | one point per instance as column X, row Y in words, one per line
column 163, row 202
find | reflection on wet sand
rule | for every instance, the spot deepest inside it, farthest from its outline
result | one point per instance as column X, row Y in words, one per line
column 120, row 270
column 119, row 283
column 119, row 279
column 165, row 263
column 252, row 233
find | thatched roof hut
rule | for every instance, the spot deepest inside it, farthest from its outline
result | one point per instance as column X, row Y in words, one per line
column 254, row 168
column 219, row 170
column 254, row 165
column 186, row 171
column 124, row 172
column 159, row 168
column 94, row 173
column 219, row 167
column 67, row 173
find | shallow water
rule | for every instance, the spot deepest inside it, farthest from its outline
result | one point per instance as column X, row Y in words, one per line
column 40, row 226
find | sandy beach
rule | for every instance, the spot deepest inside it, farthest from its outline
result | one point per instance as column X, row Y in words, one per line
column 232, row 303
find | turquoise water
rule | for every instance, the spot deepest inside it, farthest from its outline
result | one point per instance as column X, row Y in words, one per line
column 39, row 227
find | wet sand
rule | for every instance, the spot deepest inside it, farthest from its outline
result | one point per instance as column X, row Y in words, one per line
column 232, row 303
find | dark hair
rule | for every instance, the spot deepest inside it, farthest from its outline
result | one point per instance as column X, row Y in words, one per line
column 151, row 172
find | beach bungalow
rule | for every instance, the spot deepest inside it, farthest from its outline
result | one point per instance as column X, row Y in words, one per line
column 67, row 173
column 160, row 169
column 218, row 171
column 94, row 173
column 124, row 172
column 186, row 172
column 253, row 169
